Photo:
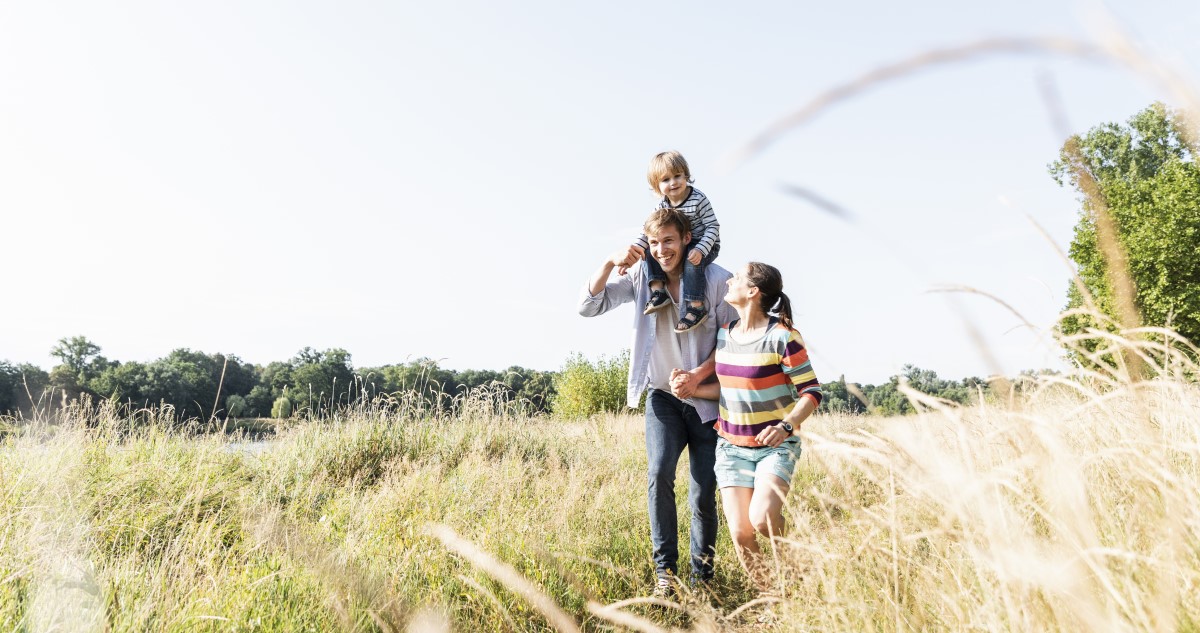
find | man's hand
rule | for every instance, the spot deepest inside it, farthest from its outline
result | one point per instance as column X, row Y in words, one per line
column 695, row 257
column 626, row 257
column 771, row 436
column 682, row 384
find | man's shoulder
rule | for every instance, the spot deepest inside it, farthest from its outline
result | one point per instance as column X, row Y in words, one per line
column 713, row 272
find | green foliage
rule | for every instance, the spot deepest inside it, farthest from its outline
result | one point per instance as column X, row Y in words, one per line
column 836, row 398
column 80, row 355
column 259, row 401
column 583, row 388
column 10, row 382
column 887, row 399
column 235, row 406
column 282, row 408
column 322, row 380
column 1151, row 184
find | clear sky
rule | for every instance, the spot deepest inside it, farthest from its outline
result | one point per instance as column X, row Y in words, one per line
column 407, row 179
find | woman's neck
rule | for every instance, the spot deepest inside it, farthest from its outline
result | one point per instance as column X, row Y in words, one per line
column 751, row 318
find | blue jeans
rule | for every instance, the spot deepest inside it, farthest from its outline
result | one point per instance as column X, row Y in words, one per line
column 694, row 282
column 671, row 425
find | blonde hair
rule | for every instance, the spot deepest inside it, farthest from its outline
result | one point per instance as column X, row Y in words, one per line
column 667, row 164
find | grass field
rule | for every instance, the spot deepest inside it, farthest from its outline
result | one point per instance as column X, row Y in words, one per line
column 1065, row 510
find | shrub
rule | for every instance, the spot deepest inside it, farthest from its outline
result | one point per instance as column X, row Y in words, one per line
column 584, row 388
column 235, row 406
column 282, row 408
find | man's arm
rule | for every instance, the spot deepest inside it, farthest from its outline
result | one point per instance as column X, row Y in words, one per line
column 600, row 295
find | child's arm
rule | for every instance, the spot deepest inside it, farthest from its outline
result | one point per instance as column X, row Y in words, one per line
column 706, row 217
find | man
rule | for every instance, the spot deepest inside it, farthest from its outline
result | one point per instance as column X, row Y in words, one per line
column 671, row 423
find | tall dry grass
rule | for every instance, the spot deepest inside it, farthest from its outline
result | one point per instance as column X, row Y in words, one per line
column 1072, row 506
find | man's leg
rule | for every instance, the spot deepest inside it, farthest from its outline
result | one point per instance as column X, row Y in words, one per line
column 702, row 493
column 666, row 436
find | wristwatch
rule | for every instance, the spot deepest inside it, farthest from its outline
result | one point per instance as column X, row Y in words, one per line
column 786, row 427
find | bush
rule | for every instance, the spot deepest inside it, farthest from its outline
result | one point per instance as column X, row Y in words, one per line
column 235, row 406
column 584, row 388
column 282, row 408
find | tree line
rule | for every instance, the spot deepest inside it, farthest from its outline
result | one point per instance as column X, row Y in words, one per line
column 204, row 386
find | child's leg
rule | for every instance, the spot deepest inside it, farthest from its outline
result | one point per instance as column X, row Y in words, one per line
column 657, row 280
column 694, row 281
column 654, row 272
column 694, row 286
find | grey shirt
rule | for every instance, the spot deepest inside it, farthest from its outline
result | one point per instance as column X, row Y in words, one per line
column 695, row 346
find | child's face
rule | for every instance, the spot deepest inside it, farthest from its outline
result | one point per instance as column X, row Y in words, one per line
column 673, row 186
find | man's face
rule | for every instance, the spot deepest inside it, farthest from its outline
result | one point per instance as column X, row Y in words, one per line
column 668, row 248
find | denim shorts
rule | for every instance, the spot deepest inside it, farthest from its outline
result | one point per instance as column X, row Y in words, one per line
column 737, row 466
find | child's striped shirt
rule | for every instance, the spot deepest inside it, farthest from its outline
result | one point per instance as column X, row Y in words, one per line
column 761, row 381
column 706, row 231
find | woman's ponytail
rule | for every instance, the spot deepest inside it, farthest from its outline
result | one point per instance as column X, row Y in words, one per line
column 784, row 310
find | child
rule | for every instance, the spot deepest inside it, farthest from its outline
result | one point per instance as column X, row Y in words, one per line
column 670, row 177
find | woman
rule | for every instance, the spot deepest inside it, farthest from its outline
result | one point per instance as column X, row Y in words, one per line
column 767, row 389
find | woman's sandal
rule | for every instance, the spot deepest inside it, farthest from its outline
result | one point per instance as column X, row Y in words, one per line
column 658, row 300
column 691, row 318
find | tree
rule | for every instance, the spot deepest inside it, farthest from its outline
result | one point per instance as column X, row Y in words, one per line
column 10, row 385
column 321, row 379
column 77, row 353
column 1146, row 174
column 81, row 363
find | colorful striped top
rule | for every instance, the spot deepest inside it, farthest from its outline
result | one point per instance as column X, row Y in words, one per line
column 761, row 381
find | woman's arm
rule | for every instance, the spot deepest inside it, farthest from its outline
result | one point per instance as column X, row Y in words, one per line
column 775, row 435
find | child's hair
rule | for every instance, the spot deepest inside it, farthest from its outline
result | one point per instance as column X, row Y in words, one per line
column 662, row 218
column 667, row 164
column 770, row 291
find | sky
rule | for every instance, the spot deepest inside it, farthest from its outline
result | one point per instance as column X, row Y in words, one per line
column 406, row 180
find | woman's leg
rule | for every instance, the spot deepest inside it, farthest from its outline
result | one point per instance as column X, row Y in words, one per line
column 766, row 505
column 737, row 503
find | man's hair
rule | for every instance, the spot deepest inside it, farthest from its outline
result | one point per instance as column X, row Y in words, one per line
column 667, row 164
column 662, row 218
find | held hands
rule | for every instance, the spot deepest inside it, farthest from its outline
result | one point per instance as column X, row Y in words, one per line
column 683, row 385
column 771, row 436
column 695, row 257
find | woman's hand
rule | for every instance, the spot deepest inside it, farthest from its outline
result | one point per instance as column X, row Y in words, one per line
column 682, row 384
column 772, row 436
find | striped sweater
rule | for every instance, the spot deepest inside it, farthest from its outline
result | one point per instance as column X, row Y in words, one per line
column 705, row 227
column 761, row 381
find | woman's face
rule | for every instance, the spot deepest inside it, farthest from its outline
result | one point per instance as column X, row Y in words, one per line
column 740, row 292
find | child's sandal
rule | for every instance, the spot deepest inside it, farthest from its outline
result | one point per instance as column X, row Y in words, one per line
column 658, row 300
column 692, row 318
